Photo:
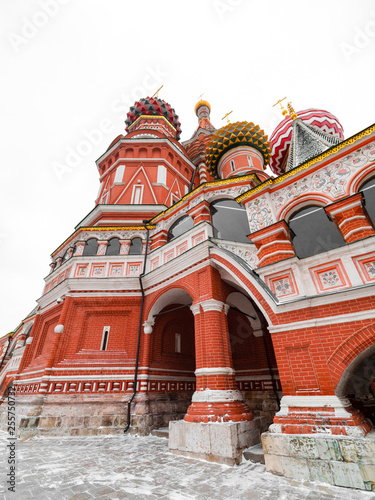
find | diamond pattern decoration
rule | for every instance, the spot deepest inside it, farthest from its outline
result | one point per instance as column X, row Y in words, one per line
column 155, row 107
column 233, row 135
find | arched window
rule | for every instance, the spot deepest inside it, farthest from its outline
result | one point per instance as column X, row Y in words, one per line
column 230, row 221
column 368, row 191
column 113, row 247
column 135, row 246
column 28, row 334
column 180, row 227
column 91, row 247
column 313, row 232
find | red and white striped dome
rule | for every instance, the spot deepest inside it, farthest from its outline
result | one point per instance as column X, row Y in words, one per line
column 282, row 135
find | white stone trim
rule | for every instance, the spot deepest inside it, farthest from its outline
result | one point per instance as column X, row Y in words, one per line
column 219, row 370
column 215, row 396
column 356, row 230
column 346, row 207
column 270, row 233
column 310, row 323
column 290, row 252
column 195, row 309
column 349, row 219
column 212, row 305
column 59, row 329
column 339, row 404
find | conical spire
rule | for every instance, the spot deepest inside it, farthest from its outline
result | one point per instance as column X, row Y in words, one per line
column 307, row 141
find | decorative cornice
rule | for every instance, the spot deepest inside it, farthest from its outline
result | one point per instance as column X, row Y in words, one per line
column 307, row 164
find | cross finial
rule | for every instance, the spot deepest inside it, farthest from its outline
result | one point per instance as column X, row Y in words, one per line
column 200, row 97
column 283, row 110
column 226, row 116
column 157, row 92
column 292, row 113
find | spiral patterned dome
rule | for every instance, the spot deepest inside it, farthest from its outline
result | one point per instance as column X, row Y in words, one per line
column 234, row 135
column 155, row 107
column 281, row 137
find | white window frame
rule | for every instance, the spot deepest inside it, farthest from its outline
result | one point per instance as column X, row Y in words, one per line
column 232, row 165
column 162, row 175
column 119, row 175
column 250, row 160
column 137, row 188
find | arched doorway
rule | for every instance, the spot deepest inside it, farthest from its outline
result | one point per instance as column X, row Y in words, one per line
column 172, row 357
column 253, row 358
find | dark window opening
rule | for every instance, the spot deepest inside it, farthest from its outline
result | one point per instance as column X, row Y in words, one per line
column 28, row 334
column 230, row 221
column 313, row 232
column 368, row 191
column 180, row 227
column 113, row 247
column 232, row 166
column 105, row 340
column 91, row 247
column 135, row 246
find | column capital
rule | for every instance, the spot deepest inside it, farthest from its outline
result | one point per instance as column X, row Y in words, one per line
column 212, row 305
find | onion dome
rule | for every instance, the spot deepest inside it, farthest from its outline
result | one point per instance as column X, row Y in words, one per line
column 234, row 135
column 323, row 122
column 155, row 107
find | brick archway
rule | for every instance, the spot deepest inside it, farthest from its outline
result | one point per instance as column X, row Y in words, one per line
column 348, row 350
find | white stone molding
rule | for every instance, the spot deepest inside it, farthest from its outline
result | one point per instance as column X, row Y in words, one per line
column 216, row 396
column 338, row 403
column 29, row 340
column 217, row 370
column 59, row 329
column 212, row 305
column 195, row 309
column 226, row 308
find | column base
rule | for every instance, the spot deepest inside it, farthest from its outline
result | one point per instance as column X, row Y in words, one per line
column 337, row 460
column 319, row 415
column 214, row 442
column 218, row 406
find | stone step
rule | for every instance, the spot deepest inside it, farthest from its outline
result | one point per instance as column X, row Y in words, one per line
column 254, row 453
column 162, row 432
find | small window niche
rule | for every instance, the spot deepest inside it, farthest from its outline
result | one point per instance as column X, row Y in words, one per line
column 105, row 336
column 177, row 343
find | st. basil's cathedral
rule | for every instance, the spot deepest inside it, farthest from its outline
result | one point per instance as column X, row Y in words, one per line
column 203, row 294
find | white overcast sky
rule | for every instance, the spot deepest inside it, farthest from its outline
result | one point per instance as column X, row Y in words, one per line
column 71, row 67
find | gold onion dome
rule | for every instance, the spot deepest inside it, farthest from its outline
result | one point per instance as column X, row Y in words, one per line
column 202, row 103
column 234, row 135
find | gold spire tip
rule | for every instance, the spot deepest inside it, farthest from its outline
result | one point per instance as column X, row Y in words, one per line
column 292, row 113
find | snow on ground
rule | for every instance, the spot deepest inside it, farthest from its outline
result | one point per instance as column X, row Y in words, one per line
column 137, row 468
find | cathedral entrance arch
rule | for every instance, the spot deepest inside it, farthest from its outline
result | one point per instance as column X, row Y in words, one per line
column 171, row 356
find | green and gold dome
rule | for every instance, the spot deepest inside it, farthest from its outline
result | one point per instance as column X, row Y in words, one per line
column 234, row 135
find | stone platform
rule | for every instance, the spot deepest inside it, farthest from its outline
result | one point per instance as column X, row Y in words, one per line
column 222, row 442
column 337, row 460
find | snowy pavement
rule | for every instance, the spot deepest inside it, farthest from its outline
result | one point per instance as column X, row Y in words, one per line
column 132, row 467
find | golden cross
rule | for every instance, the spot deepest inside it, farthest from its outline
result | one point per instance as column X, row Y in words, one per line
column 283, row 110
column 156, row 93
column 226, row 116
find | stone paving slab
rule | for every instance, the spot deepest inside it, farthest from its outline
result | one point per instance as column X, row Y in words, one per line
column 141, row 468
